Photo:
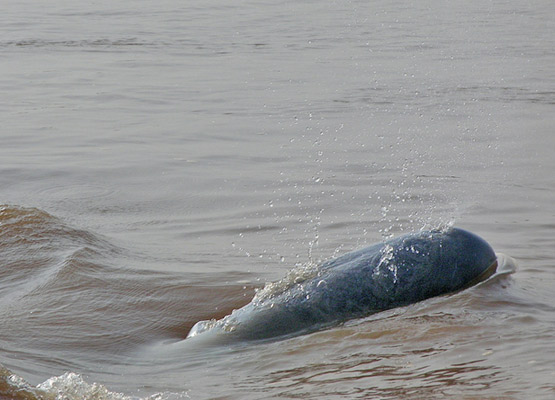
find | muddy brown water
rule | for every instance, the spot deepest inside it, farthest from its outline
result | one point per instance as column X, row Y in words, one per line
column 160, row 161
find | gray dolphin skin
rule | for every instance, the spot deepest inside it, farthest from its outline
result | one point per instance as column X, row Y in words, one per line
column 393, row 273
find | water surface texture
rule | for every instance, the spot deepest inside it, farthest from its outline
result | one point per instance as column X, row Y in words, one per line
column 162, row 160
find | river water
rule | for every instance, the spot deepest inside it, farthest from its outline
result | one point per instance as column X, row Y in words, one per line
column 161, row 160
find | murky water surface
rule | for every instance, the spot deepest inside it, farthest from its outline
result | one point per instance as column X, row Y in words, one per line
column 161, row 160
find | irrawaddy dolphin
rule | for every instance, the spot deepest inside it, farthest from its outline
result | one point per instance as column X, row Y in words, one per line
column 393, row 273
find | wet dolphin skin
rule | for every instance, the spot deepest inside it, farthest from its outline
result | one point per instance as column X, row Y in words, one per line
column 393, row 273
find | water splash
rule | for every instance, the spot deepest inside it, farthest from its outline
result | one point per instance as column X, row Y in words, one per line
column 296, row 276
column 263, row 297
column 69, row 386
column 386, row 263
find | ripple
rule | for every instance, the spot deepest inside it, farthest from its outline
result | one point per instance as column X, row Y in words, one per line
column 83, row 43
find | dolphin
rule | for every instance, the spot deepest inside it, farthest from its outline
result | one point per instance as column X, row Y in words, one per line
column 393, row 273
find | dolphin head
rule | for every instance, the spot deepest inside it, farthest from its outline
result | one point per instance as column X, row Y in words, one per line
column 464, row 258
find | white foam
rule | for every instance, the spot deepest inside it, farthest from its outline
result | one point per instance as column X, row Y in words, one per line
column 72, row 386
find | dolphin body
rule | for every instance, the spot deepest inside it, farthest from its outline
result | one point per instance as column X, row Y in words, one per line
column 393, row 273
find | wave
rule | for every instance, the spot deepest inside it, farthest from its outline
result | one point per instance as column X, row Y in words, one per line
column 68, row 386
column 71, row 300
column 90, row 43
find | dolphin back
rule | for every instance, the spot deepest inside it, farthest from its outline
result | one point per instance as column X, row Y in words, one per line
column 394, row 273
